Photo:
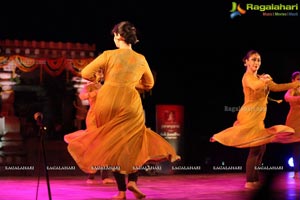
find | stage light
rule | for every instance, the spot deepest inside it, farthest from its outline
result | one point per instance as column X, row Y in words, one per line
column 291, row 162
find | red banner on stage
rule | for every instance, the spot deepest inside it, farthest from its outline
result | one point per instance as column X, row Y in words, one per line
column 169, row 122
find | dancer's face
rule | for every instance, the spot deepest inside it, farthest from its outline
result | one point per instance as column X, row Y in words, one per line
column 297, row 78
column 253, row 62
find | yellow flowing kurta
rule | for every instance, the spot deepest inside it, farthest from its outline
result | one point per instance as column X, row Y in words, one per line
column 121, row 141
column 293, row 117
column 249, row 129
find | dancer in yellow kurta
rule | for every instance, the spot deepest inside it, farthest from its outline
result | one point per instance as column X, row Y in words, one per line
column 121, row 141
column 89, row 92
column 292, row 96
column 249, row 129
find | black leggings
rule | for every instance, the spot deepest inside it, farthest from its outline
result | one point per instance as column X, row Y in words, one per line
column 254, row 160
column 121, row 182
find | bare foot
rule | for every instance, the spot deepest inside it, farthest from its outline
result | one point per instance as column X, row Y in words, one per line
column 133, row 188
column 108, row 181
column 91, row 181
column 120, row 195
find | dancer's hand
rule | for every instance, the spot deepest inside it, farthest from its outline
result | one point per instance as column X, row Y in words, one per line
column 265, row 77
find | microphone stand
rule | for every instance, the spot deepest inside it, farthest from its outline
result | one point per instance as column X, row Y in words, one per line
column 42, row 132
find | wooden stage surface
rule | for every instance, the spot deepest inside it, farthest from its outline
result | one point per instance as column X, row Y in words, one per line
column 225, row 186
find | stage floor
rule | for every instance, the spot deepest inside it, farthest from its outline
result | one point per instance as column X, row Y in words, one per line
column 198, row 186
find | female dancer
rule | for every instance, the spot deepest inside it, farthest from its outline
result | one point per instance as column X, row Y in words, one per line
column 121, row 140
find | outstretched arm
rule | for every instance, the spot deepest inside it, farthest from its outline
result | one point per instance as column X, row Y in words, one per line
column 275, row 87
